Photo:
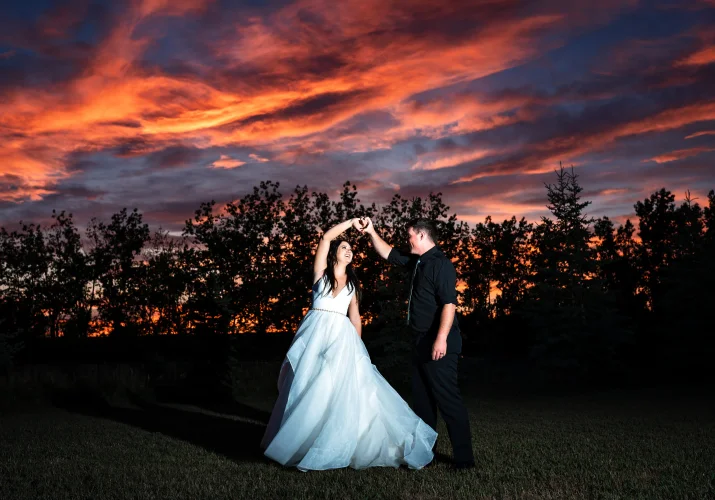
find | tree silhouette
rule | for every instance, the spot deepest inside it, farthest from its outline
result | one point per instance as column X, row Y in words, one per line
column 165, row 284
column 575, row 296
column 657, row 229
column 497, row 260
column 681, row 312
column 575, row 325
column 114, row 248
column 26, row 264
column 64, row 288
column 212, row 270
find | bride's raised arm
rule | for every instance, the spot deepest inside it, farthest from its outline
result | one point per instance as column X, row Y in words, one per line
column 321, row 253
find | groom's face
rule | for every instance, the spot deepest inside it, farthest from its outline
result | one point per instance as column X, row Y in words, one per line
column 414, row 239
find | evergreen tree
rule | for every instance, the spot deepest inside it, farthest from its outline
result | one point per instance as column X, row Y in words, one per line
column 578, row 333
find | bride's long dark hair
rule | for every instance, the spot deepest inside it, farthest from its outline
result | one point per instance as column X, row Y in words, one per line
column 353, row 283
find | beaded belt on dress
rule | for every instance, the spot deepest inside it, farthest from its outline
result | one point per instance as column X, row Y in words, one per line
column 326, row 310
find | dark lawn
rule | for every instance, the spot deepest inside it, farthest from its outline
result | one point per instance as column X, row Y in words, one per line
column 611, row 445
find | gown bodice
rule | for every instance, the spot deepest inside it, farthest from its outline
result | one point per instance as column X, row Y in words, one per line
column 323, row 298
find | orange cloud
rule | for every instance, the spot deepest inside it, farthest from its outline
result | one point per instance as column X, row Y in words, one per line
column 226, row 161
column 112, row 89
column 147, row 8
column 258, row 158
column 699, row 134
column 295, row 83
column 614, row 192
column 701, row 57
column 499, row 208
column 679, row 155
column 436, row 161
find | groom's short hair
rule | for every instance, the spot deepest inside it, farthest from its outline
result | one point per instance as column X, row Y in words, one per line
column 426, row 226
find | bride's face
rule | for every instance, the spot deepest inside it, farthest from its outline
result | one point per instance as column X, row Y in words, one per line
column 344, row 254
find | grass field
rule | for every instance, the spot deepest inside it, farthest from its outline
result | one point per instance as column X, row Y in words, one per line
column 609, row 445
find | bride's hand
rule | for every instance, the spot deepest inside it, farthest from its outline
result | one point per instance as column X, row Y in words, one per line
column 358, row 224
column 366, row 226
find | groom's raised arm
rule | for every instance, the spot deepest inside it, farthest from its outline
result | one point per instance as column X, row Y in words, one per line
column 386, row 251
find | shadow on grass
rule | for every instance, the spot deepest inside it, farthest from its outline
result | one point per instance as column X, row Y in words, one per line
column 236, row 437
column 234, row 408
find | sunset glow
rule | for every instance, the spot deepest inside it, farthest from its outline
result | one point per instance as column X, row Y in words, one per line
column 161, row 105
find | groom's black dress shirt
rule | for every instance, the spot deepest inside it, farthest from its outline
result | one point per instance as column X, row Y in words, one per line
column 433, row 283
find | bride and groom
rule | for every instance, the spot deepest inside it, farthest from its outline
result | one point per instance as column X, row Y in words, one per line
column 334, row 409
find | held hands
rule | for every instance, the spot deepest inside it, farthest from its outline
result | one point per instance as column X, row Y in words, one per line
column 358, row 224
column 363, row 225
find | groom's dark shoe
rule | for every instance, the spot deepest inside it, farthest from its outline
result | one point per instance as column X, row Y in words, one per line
column 463, row 465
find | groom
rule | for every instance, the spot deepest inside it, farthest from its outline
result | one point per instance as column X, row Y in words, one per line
column 431, row 316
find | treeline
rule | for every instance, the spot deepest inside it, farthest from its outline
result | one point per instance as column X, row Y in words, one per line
column 575, row 295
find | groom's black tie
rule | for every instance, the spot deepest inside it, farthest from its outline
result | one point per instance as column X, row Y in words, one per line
column 412, row 283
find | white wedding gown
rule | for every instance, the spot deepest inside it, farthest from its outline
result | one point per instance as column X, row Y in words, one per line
column 334, row 409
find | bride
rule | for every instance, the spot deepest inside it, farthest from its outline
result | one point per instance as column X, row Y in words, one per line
column 334, row 409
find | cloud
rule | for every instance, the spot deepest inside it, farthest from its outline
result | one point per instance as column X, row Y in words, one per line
column 701, row 57
column 257, row 158
column 226, row 161
column 99, row 101
column 700, row 134
column 595, row 133
column 679, row 155
column 15, row 188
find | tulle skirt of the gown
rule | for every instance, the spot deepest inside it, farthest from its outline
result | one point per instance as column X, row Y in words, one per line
column 335, row 409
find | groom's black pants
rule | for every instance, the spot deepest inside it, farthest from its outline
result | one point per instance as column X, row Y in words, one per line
column 434, row 386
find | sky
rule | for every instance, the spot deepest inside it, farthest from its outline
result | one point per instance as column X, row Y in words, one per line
column 164, row 104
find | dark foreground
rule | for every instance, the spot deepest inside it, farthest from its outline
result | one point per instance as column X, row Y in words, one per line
column 641, row 444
